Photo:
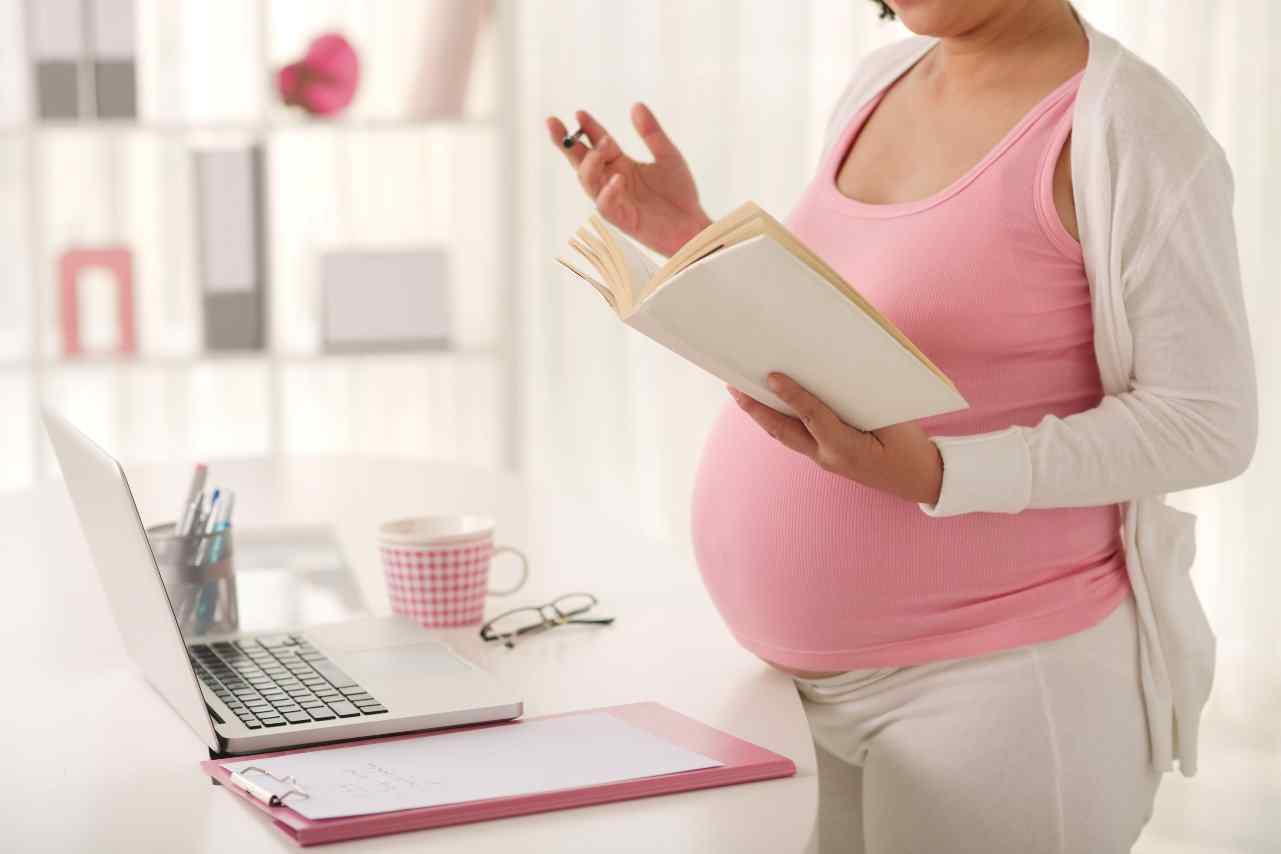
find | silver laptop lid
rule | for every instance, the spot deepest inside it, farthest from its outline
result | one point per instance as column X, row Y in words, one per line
column 128, row 571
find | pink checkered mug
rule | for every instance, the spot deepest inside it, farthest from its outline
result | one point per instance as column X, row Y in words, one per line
column 437, row 568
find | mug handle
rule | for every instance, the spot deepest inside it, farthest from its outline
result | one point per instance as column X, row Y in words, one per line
column 524, row 570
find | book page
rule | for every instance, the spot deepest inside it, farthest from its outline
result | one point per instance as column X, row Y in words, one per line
column 637, row 266
column 601, row 289
column 598, row 254
column 568, row 752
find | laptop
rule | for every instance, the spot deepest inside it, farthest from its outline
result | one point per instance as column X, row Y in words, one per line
column 246, row 693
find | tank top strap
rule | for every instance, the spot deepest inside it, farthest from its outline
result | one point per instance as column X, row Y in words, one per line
column 1043, row 128
column 1050, row 139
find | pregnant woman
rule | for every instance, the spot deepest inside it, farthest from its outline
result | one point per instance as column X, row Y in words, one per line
column 969, row 603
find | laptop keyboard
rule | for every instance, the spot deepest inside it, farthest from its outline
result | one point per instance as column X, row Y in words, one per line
column 277, row 680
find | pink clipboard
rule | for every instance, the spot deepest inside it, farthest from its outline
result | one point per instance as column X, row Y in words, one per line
column 743, row 763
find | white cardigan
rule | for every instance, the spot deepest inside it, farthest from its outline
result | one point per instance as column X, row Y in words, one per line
column 1153, row 194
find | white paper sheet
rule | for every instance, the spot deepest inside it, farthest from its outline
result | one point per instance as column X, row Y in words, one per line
column 523, row 758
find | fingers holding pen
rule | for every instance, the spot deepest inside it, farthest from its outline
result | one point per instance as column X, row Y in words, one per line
column 595, row 165
column 557, row 131
column 596, row 135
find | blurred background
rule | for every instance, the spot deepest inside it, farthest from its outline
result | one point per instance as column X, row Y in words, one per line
column 208, row 211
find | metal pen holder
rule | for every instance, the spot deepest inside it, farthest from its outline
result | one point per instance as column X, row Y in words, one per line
column 200, row 578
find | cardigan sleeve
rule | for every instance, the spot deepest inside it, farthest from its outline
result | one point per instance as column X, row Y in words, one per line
column 1190, row 415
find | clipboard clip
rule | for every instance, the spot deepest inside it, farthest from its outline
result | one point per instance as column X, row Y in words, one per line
column 262, row 793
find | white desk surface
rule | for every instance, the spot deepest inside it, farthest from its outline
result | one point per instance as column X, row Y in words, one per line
column 96, row 761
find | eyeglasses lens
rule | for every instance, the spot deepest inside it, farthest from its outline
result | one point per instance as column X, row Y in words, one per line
column 512, row 623
column 573, row 603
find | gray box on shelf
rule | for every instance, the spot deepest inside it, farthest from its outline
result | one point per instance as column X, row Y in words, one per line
column 230, row 189
column 84, row 58
column 57, row 89
column 111, row 31
column 56, row 29
column 380, row 300
column 114, row 87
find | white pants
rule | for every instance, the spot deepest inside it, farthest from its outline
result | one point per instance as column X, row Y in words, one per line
column 1042, row 749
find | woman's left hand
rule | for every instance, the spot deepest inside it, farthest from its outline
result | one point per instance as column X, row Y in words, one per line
column 899, row 459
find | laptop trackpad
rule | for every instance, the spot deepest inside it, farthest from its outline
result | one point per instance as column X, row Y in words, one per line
column 400, row 664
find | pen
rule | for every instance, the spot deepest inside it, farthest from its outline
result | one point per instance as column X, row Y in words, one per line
column 207, row 598
column 189, row 516
column 228, row 506
column 213, row 511
column 570, row 139
column 186, row 525
column 198, row 518
column 269, row 798
column 206, row 527
column 221, row 523
column 196, row 489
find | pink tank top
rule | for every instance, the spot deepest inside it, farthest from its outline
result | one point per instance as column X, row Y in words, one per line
column 813, row 571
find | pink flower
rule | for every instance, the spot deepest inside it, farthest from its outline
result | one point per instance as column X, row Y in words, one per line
column 324, row 81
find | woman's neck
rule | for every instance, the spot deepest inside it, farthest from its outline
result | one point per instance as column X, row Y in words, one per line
column 1019, row 35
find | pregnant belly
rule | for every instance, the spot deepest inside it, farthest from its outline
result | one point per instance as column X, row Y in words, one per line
column 797, row 559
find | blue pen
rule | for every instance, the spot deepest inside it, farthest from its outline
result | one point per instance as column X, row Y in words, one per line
column 208, row 598
column 222, row 523
column 228, row 507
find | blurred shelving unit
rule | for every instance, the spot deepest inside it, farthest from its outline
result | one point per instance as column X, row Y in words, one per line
column 379, row 176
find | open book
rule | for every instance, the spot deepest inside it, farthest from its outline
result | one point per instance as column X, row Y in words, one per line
column 744, row 298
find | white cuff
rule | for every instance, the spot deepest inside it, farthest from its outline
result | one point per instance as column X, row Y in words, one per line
column 984, row 473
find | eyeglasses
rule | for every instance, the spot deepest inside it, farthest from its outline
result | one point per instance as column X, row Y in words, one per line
column 530, row 619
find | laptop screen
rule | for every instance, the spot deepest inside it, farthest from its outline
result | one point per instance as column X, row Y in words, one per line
column 128, row 572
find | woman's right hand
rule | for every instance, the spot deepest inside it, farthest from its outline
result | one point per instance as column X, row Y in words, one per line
column 655, row 203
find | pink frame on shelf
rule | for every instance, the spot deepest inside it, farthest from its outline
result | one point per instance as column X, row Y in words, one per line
column 118, row 261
